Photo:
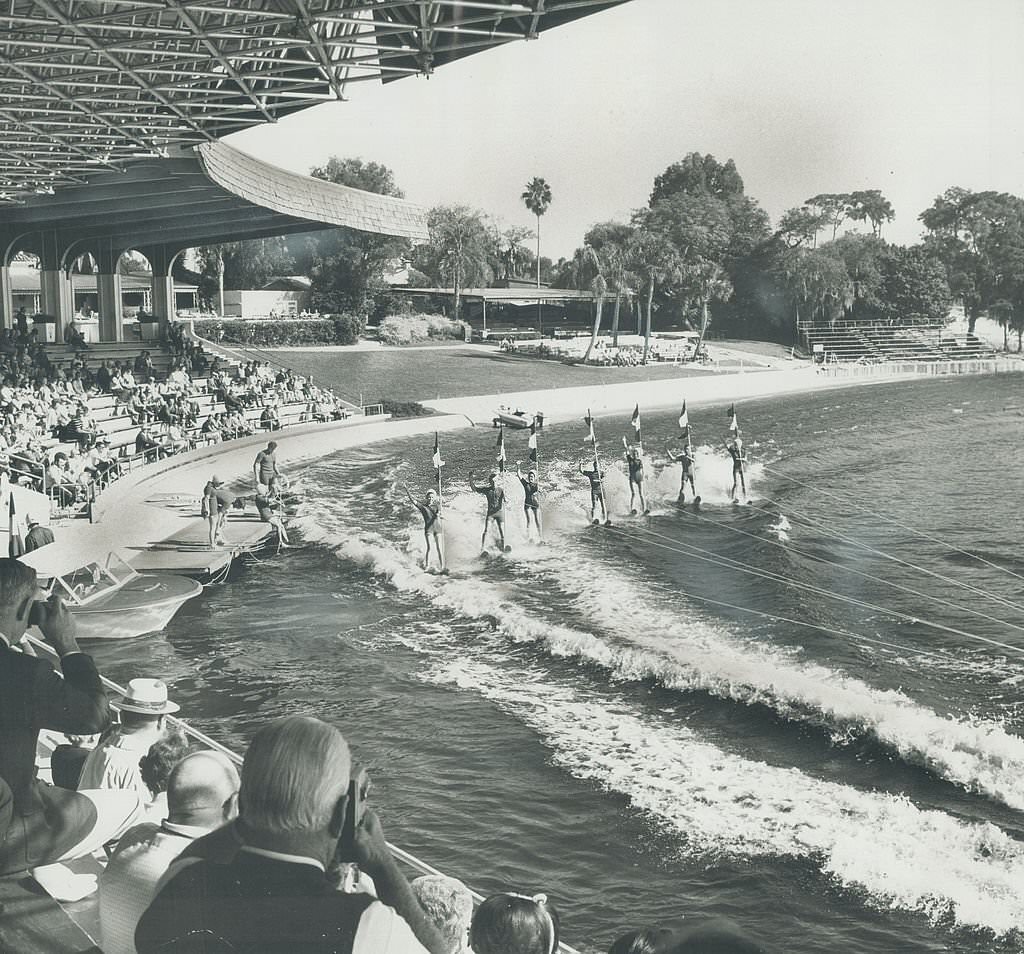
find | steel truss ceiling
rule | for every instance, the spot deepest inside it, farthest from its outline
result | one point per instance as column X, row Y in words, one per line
column 86, row 84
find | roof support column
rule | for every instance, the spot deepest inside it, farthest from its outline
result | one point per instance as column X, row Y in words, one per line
column 55, row 292
column 110, row 305
column 160, row 260
column 6, row 297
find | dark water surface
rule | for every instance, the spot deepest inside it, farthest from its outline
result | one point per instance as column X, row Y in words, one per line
column 794, row 712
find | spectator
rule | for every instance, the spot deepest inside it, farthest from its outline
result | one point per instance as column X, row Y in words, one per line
column 261, row 884
column 155, row 769
column 718, row 936
column 46, row 823
column 67, row 759
column 114, row 763
column 148, row 445
column 449, row 905
column 74, row 338
column 37, row 536
column 202, row 795
column 216, row 503
column 514, row 924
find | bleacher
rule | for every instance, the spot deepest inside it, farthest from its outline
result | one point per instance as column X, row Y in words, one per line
column 876, row 342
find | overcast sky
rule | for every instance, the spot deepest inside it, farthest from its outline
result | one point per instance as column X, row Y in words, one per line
column 807, row 96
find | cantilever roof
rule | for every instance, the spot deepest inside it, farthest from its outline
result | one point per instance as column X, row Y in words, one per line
column 212, row 194
column 96, row 84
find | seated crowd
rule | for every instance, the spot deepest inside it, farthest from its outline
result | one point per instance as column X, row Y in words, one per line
column 50, row 438
column 284, row 857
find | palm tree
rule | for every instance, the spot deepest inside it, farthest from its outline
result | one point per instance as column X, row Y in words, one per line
column 586, row 269
column 537, row 198
column 714, row 284
column 655, row 260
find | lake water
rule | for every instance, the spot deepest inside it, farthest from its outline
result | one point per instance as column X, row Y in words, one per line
column 795, row 713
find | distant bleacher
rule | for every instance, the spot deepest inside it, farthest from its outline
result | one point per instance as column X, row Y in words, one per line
column 877, row 342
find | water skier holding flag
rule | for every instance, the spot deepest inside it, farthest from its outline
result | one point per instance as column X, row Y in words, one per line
column 734, row 445
column 685, row 459
column 531, row 489
column 635, row 463
column 495, row 510
column 596, row 478
column 430, row 511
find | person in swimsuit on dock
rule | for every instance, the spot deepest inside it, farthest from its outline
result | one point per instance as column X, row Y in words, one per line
column 495, row 508
column 433, row 526
column 268, row 505
column 735, row 449
column 531, row 505
column 635, row 463
column 264, row 468
column 596, row 477
column 685, row 460
column 216, row 503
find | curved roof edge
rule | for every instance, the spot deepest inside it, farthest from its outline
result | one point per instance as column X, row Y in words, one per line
column 304, row 197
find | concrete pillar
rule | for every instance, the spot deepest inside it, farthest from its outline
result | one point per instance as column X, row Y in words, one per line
column 57, row 299
column 6, row 298
column 109, row 306
column 160, row 260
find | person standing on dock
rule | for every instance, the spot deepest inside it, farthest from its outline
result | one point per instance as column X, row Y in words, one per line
column 531, row 505
column 264, row 468
column 216, row 503
column 495, row 509
column 433, row 526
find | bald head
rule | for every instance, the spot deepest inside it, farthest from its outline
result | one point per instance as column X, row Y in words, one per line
column 203, row 791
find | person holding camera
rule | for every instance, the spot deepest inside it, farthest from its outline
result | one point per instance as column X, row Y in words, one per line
column 261, row 884
column 41, row 824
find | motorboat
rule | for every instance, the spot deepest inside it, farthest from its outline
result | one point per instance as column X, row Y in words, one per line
column 516, row 419
column 111, row 600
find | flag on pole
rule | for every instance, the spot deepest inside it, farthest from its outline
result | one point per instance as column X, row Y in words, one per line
column 635, row 421
column 589, row 421
column 684, row 418
column 15, row 545
column 532, row 443
column 438, row 463
column 501, row 449
column 733, row 425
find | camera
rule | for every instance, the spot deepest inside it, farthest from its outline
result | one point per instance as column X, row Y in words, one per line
column 37, row 613
column 358, row 790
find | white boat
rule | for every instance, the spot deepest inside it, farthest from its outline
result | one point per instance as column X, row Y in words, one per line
column 516, row 419
column 112, row 600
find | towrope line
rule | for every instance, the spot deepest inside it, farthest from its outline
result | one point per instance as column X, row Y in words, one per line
column 896, row 523
column 696, row 553
column 812, row 522
column 861, row 573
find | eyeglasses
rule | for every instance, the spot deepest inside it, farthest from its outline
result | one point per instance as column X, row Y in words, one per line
column 541, row 900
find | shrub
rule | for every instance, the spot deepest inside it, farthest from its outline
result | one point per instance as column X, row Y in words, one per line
column 406, row 329
column 404, row 408
column 341, row 329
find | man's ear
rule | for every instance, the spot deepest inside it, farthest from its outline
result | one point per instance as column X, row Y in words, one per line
column 337, row 823
column 230, row 807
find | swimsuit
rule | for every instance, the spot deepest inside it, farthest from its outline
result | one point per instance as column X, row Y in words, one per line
column 495, row 501
column 531, row 490
column 636, row 470
column 595, row 483
column 431, row 519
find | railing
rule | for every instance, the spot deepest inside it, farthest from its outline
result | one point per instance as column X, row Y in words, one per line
column 399, row 853
column 369, row 410
column 931, row 367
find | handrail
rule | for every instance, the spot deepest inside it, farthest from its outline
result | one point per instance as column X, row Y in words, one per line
column 399, row 853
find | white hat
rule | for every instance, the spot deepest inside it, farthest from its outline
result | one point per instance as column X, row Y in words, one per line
column 148, row 696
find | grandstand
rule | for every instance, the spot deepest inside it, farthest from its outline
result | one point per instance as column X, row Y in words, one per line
column 875, row 342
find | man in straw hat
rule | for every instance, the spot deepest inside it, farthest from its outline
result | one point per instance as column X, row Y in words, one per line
column 39, row 823
column 114, row 763
column 37, row 536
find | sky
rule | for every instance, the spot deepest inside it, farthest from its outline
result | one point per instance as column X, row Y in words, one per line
column 806, row 96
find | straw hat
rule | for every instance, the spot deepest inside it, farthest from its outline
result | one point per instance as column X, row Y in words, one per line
column 147, row 696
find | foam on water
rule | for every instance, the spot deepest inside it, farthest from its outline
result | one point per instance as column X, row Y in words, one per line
column 899, row 855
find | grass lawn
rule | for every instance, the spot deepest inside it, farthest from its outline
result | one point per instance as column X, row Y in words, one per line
column 428, row 375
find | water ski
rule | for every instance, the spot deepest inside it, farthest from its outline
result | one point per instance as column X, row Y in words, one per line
column 696, row 503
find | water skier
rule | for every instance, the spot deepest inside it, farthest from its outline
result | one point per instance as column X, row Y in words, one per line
column 531, row 505
column 685, row 459
column 635, row 463
column 433, row 526
column 495, row 509
column 735, row 449
column 596, row 477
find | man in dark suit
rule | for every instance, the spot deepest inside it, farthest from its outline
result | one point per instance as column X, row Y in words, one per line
column 260, row 883
column 40, row 823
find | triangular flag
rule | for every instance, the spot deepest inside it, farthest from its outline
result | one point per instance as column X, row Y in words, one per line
column 532, row 443
column 589, row 421
column 684, row 418
column 15, row 545
column 438, row 463
column 501, row 449
column 733, row 425
column 533, row 455
column 635, row 421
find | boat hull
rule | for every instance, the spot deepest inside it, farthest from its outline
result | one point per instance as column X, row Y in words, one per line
column 514, row 421
column 145, row 604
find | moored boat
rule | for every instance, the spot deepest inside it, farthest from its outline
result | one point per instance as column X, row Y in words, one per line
column 517, row 419
column 109, row 598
